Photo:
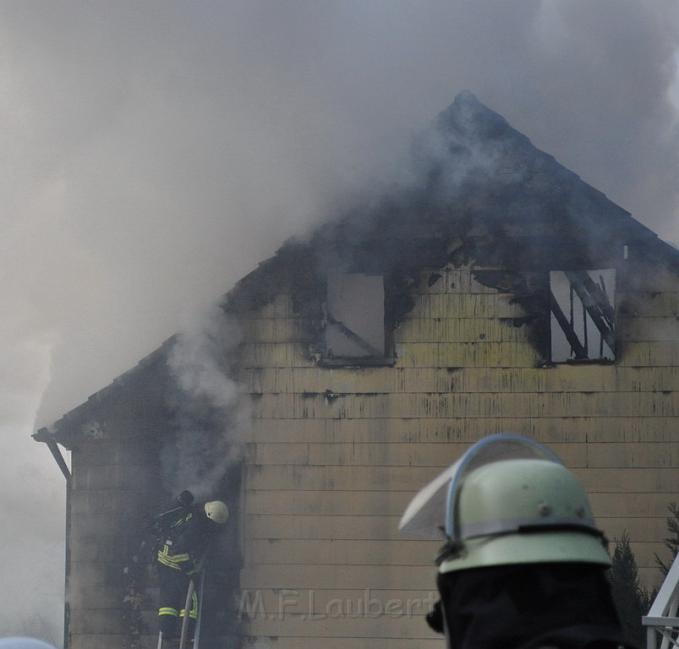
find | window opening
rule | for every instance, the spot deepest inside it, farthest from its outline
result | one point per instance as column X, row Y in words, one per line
column 582, row 305
column 354, row 317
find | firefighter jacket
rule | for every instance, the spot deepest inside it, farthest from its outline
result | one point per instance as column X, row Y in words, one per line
column 185, row 540
column 528, row 606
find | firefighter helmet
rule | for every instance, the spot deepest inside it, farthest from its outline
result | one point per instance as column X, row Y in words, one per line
column 217, row 511
column 508, row 500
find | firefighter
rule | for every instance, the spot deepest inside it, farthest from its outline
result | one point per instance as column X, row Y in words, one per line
column 186, row 532
column 523, row 563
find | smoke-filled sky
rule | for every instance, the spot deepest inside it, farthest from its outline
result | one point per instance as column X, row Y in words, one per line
column 152, row 153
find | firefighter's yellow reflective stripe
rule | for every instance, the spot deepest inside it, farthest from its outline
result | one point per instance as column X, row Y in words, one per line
column 167, row 610
column 183, row 556
column 194, row 606
column 193, row 613
column 172, row 560
column 177, row 558
column 167, row 562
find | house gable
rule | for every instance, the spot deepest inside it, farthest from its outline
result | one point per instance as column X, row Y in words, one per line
column 333, row 454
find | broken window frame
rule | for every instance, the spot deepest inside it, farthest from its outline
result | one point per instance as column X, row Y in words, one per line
column 374, row 356
column 596, row 310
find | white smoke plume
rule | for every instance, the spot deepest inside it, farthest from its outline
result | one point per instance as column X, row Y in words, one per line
column 210, row 410
column 32, row 499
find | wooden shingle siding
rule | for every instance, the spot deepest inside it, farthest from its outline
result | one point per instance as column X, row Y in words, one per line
column 320, row 577
column 335, row 454
column 458, row 330
column 293, row 526
column 324, row 503
column 371, row 455
column 648, row 304
column 110, row 486
column 410, row 478
column 413, row 627
column 377, row 553
column 592, row 455
column 646, row 529
column 464, row 429
column 486, row 405
column 342, row 552
column 563, row 378
column 655, row 329
column 466, row 305
column 650, row 354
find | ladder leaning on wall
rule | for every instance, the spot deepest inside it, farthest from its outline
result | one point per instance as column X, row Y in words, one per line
column 662, row 620
column 184, row 637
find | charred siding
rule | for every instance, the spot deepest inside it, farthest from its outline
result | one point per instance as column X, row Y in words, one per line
column 329, row 478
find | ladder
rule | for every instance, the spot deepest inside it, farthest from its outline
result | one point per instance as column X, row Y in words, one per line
column 662, row 621
column 184, row 637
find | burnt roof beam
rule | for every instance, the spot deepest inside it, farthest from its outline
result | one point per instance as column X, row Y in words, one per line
column 564, row 323
column 596, row 304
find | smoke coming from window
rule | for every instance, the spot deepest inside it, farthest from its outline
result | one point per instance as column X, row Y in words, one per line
column 209, row 414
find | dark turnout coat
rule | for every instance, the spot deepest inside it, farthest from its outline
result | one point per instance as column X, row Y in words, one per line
column 528, row 606
column 185, row 534
column 184, row 539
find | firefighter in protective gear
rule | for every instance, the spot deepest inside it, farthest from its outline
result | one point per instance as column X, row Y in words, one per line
column 523, row 563
column 186, row 534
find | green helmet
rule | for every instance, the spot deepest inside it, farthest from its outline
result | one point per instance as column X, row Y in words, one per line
column 508, row 500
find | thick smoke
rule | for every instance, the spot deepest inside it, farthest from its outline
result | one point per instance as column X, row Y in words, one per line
column 32, row 496
column 153, row 152
column 463, row 154
column 162, row 149
column 210, row 413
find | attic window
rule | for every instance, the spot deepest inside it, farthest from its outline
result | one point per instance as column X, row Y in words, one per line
column 582, row 304
column 354, row 319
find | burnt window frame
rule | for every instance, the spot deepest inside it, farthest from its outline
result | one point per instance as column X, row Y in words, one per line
column 387, row 359
column 606, row 315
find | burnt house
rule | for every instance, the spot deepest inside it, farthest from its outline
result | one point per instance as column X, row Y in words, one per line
column 497, row 292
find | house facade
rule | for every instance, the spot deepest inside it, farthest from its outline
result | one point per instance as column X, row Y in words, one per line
column 498, row 293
